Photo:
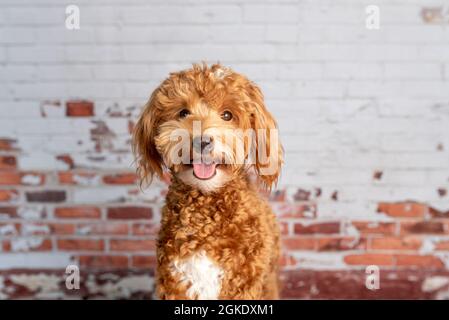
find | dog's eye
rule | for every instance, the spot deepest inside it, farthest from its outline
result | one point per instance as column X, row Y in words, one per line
column 184, row 113
column 226, row 116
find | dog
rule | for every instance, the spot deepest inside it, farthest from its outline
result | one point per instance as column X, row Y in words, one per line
column 219, row 238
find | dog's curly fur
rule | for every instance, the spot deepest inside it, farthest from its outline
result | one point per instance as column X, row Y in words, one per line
column 224, row 224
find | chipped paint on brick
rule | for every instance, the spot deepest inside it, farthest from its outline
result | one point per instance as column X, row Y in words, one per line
column 124, row 288
column 31, row 179
column 30, row 229
column 26, row 243
column 45, row 283
column 31, row 213
column 434, row 283
column 8, row 230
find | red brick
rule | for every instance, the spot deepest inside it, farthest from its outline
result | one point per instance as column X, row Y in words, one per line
column 15, row 177
column 369, row 259
column 70, row 177
column 122, row 178
column 62, row 228
column 80, row 244
column 340, row 243
column 403, row 209
column 317, row 228
column 78, row 212
column 144, row 261
column 79, row 108
column 46, row 196
column 7, row 144
column 52, row 228
column 299, row 243
column 107, row 261
column 67, row 159
column 442, row 245
column 375, row 228
column 8, row 163
column 287, row 260
column 423, row 227
column 396, row 243
column 46, row 245
column 8, row 195
column 132, row 245
column 130, row 213
column 145, row 229
column 293, row 211
column 419, row 261
column 284, row 228
column 435, row 213
column 11, row 212
column 103, row 228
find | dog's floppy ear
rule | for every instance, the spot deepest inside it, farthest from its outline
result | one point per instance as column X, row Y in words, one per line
column 149, row 161
column 269, row 152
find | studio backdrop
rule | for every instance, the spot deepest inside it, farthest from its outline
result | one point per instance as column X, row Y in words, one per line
column 360, row 90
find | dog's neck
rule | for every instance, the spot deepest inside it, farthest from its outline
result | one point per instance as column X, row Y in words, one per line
column 179, row 191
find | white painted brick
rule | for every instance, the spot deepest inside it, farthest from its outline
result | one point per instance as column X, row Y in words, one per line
column 152, row 34
column 192, row 53
column 121, row 72
column 182, row 14
column 61, row 35
column 2, row 54
column 38, row 15
column 35, row 259
column 256, row 71
column 102, row 53
column 236, row 33
column 320, row 89
column 270, row 13
column 292, row 71
column 95, row 90
column 100, row 195
column 105, row 161
column 348, row 70
column 40, row 161
column 19, row 109
column 140, row 90
column 281, row 34
column 35, row 54
column 412, row 70
column 40, row 91
column 101, row 15
column 18, row 73
column 65, row 72
column 332, row 14
column 416, row 34
column 17, row 35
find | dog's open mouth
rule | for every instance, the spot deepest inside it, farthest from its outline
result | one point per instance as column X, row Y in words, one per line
column 204, row 171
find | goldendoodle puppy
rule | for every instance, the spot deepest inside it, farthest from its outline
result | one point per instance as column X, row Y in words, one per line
column 209, row 127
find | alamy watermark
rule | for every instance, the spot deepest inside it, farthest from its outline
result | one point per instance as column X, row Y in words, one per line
column 72, row 20
column 372, row 281
column 227, row 147
column 72, row 280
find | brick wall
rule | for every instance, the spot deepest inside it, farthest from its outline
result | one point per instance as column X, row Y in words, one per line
column 364, row 118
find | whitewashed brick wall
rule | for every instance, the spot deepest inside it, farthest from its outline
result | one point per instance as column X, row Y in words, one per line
column 363, row 114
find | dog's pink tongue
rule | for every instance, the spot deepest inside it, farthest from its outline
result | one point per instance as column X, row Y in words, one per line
column 204, row 171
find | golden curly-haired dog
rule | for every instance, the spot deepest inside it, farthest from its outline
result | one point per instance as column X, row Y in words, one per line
column 218, row 239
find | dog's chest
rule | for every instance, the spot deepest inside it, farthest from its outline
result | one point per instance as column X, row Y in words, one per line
column 202, row 276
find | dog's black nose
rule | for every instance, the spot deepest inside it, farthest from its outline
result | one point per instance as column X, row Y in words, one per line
column 203, row 143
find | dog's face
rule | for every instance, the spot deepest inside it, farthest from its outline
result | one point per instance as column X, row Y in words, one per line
column 207, row 125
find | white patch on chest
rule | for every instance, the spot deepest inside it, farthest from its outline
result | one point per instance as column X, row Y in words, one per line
column 203, row 275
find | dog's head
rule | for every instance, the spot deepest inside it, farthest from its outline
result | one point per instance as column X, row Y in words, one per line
column 207, row 125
